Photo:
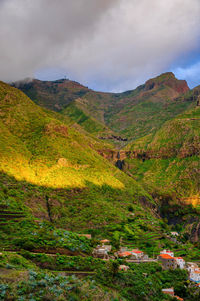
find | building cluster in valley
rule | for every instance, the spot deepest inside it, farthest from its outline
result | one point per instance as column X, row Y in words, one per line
column 168, row 261
column 102, row 251
column 166, row 258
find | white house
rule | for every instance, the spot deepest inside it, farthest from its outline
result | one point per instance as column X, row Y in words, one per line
column 100, row 252
column 195, row 275
column 123, row 267
column 174, row 233
column 191, row 266
column 168, row 252
column 137, row 253
column 168, row 291
column 180, row 262
column 105, row 244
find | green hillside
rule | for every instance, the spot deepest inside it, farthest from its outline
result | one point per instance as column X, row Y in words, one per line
column 170, row 161
column 39, row 150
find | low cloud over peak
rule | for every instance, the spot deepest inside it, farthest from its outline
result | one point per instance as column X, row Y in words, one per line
column 107, row 44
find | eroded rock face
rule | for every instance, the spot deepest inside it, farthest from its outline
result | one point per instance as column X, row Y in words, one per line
column 185, row 152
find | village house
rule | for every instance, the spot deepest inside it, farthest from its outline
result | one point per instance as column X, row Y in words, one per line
column 174, row 233
column 123, row 267
column 134, row 254
column 195, row 275
column 180, row 262
column 100, row 252
column 167, row 261
column 191, row 266
column 105, row 244
column 170, row 291
column 124, row 254
column 137, row 253
column 168, row 252
column 194, row 272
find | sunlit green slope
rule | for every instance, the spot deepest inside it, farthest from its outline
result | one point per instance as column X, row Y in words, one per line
column 38, row 149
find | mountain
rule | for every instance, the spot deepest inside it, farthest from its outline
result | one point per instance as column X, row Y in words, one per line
column 53, row 158
column 128, row 115
column 55, row 185
column 53, row 95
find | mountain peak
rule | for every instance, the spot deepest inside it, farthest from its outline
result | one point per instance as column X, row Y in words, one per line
column 167, row 79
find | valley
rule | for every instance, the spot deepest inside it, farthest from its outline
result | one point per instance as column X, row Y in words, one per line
column 121, row 166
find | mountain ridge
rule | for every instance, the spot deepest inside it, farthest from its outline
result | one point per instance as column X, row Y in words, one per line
column 130, row 114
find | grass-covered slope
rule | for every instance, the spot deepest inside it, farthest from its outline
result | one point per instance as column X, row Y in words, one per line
column 46, row 151
column 170, row 160
column 132, row 114
column 77, row 111
column 55, row 170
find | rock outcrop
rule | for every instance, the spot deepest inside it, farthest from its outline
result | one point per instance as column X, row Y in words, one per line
column 167, row 79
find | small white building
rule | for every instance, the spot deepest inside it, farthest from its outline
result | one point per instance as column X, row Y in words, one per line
column 124, row 254
column 105, row 244
column 123, row 267
column 180, row 262
column 100, row 252
column 174, row 233
column 195, row 275
column 168, row 252
column 168, row 291
column 191, row 266
column 137, row 253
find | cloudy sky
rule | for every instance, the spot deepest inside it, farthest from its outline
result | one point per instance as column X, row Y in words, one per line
column 108, row 45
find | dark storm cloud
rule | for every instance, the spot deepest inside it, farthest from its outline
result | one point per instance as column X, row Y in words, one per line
column 116, row 43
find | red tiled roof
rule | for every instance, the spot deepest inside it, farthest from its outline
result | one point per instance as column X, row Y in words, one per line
column 124, row 254
column 166, row 256
column 105, row 240
column 137, row 251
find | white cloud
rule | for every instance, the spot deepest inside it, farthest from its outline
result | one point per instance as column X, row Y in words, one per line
column 114, row 43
